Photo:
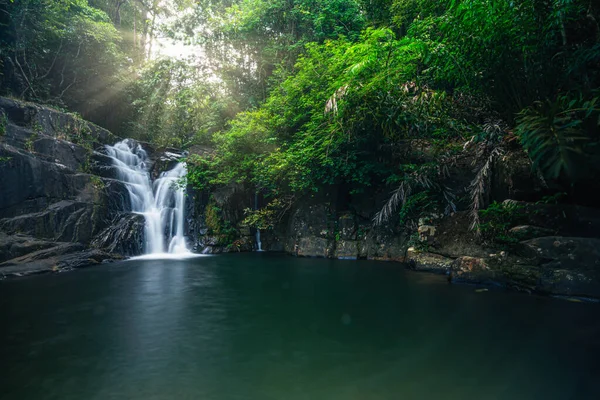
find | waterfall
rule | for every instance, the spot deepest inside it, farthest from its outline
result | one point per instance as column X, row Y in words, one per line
column 162, row 203
column 258, row 242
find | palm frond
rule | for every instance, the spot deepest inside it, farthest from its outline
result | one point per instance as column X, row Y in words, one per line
column 397, row 198
column 554, row 133
column 332, row 103
column 479, row 185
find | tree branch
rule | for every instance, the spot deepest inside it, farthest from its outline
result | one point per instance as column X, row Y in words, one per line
column 53, row 61
column 16, row 60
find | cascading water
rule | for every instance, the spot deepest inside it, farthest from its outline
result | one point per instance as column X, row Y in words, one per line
column 258, row 242
column 162, row 203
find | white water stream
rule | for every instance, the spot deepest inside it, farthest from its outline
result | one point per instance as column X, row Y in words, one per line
column 162, row 202
column 257, row 235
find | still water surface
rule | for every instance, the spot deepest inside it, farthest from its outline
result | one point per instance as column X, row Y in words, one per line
column 261, row 326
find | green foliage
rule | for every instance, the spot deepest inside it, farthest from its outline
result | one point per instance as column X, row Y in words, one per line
column 59, row 51
column 36, row 127
column 295, row 96
column 175, row 105
column 3, row 123
column 497, row 220
column 97, row 182
column 29, row 143
column 558, row 135
column 5, row 159
column 202, row 171
column 224, row 232
column 416, row 243
column 417, row 204
column 552, row 199
column 268, row 216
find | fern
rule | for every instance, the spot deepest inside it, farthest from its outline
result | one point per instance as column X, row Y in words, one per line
column 426, row 178
column 478, row 187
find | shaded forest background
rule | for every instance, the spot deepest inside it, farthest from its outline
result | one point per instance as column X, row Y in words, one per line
column 294, row 95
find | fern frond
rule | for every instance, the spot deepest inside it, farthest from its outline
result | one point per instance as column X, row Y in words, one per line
column 478, row 188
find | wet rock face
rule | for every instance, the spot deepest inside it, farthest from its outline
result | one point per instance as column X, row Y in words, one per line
column 126, row 236
column 569, row 265
column 317, row 229
column 164, row 161
column 51, row 207
column 27, row 121
column 563, row 219
column 514, row 178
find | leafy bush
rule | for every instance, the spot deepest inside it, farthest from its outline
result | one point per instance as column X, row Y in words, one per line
column 268, row 216
column 497, row 220
column 222, row 230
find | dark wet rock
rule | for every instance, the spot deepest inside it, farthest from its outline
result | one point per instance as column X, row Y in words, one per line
column 453, row 237
column 65, row 220
column 72, row 156
column 563, row 219
column 50, row 122
column 430, row 262
column 311, row 220
column 312, row 246
column 30, row 184
column 13, row 246
column 272, row 241
column 472, row 270
column 311, row 231
column 232, row 199
column 569, row 265
column 525, row 232
column 117, row 197
column 347, row 250
column 61, row 257
column 50, row 205
column 514, row 178
column 384, row 244
column 214, row 245
column 346, row 227
column 125, row 236
column 554, row 265
column 165, row 161
column 497, row 269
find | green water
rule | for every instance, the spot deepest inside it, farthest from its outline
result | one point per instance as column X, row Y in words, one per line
column 260, row 326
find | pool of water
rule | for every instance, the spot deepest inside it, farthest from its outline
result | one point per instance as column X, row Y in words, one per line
column 261, row 326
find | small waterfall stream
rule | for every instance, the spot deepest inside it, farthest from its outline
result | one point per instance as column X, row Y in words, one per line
column 162, row 203
column 258, row 242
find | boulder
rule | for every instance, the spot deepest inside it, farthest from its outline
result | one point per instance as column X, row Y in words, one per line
column 13, row 246
column 525, row 232
column 569, row 265
column 384, row 244
column 312, row 246
column 430, row 262
column 563, row 219
column 471, row 270
column 60, row 257
column 346, row 250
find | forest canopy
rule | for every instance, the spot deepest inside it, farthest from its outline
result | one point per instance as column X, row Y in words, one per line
column 293, row 95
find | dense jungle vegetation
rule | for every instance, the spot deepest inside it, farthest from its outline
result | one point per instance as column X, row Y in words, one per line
column 294, row 95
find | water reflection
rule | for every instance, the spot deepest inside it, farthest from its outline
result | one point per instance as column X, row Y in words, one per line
column 267, row 327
